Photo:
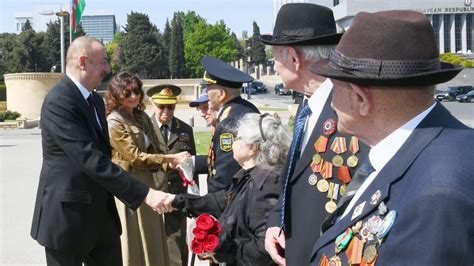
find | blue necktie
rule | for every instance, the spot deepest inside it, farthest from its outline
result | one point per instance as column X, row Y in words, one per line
column 294, row 155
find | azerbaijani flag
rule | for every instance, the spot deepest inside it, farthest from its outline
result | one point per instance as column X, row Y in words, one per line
column 77, row 10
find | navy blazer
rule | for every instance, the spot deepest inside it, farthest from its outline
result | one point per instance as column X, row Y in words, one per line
column 430, row 184
column 75, row 208
column 305, row 205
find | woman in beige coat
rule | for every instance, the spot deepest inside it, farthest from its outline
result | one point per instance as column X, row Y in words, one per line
column 135, row 149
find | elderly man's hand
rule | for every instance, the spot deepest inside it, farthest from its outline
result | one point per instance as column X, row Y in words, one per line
column 275, row 244
column 160, row 201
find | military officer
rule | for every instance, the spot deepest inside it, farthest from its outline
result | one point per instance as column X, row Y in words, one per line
column 174, row 136
column 223, row 90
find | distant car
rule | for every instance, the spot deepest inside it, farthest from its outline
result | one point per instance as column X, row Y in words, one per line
column 441, row 95
column 281, row 90
column 458, row 90
column 245, row 89
column 259, row 87
column 468, row 97
column 297, row 97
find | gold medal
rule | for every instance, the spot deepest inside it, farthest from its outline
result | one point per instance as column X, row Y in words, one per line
column 330, row 206
column 337, row 160
column 317, row 158
column 342, row 190
column 370, row 253
column 352, row 161
column 335, row 261
column 322, row 185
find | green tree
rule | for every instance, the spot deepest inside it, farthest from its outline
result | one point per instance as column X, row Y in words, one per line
column 176, row 60
column 113, row 53
column 257, row 48
column 214, row 40
column 165, row 41
column 238, row 46
column 139, row 48
column 189, row 20
column 51, row 44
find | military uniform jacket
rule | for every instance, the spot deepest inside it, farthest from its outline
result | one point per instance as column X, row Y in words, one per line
column 181, row 138
column 305, row 204
column 242, row 212
column 222, row 165
column 429, row 183
column 75, row 207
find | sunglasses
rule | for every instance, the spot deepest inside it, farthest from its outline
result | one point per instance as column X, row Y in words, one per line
column 128, row 93
column 166, row 106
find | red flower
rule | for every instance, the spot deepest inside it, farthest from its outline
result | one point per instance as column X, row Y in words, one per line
column 197, row 246
column 205, row 222
column 199, row 234
column 210, row 243
column 216, row 229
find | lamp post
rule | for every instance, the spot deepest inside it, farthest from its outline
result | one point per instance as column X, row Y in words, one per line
column 249, row 94
column 61, row 15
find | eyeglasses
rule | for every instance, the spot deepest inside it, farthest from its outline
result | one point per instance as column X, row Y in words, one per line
column 128, row 93
column 166, row 106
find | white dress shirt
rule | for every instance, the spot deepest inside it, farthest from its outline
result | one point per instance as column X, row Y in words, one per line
column 316, row 104
column 85, row 93
column 383, row 152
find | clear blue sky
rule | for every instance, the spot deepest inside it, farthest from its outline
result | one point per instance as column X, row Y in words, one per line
column 238, row 15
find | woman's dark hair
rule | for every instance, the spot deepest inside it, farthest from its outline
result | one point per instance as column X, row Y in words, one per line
column 116, row 91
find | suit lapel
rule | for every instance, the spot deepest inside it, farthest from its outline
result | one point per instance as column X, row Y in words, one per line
column 157, row 129
column 309, row 151
column 421, row 137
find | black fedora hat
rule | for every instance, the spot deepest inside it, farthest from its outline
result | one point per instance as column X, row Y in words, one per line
column 303, row 24
column 388, row 48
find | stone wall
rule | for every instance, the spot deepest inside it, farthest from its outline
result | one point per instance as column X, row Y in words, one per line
column 26, row 91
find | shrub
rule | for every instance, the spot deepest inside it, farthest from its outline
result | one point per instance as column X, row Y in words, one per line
column 3, row 92
column 9, row 115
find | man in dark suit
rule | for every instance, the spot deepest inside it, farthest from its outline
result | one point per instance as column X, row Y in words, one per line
column 323, row 161
column 174, row 136
column 223, row 90
column 75, row 217
column 415, row 203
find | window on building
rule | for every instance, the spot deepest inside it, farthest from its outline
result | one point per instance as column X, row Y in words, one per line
column 447, row 33
column 458, row 32
column 435, row 19
column 469, row 29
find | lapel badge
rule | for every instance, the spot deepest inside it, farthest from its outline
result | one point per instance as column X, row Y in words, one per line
column 376, row 197
column 387, row 224
column 329, row 127
column 358, row 210
column 184, row 136
column 312, row 180
column 382, row 208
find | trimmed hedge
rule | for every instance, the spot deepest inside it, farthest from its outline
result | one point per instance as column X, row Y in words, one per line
column 3, row 92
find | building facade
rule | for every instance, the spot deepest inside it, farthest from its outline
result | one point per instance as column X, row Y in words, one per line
column 452, row 20
column 100, row 25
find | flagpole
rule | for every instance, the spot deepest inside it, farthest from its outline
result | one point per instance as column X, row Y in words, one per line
column 71, row 6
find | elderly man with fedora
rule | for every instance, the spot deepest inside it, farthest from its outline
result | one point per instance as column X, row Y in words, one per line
column 223, row 90
column 174, row 136
column 321, row 161
column 416, row 202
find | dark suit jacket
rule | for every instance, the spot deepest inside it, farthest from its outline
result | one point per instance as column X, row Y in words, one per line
column 305, row 205
column 430, row 184
column 74, row 202
column 223, row 166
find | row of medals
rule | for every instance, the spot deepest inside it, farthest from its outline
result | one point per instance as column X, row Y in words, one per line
column 360, row 241
column 318, row 165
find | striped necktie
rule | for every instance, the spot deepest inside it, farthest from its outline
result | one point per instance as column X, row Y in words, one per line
column 295, row 144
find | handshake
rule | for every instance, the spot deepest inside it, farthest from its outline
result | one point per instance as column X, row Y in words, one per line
column 160, row 201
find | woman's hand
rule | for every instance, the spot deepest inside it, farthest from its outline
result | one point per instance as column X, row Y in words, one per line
column 175, row 159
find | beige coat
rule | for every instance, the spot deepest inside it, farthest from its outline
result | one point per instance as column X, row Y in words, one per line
column 143, row 238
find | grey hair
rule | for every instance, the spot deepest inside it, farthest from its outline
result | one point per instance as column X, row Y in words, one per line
column 312, row 53
column 273, row 146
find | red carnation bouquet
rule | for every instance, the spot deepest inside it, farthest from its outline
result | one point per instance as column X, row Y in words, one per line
column 205, row 235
